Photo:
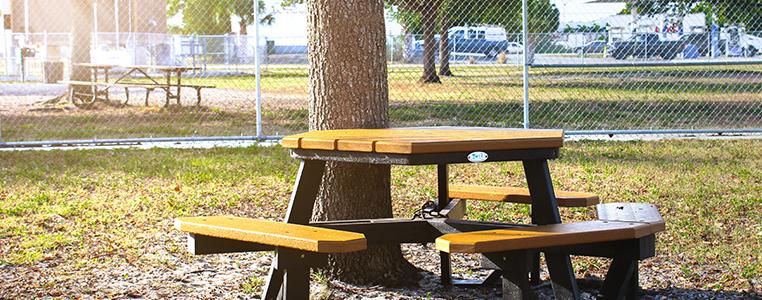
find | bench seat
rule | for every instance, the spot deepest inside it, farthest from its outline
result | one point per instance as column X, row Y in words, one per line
column 518, row 195
column 298, row 248
column 277, row 234
column 546, row 236
column 626, row 229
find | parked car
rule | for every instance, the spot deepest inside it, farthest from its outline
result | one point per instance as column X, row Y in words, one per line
column 514, row 48
column 701, row 41
column 646, row 45
column 591, row 47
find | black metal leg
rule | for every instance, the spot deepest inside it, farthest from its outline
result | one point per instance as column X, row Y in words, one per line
column 446, row 268
column 545, row 211
column 299, row 212
column 127, row 95
column 305, row 191
column 274, row 283
column 515, row 266
column 443, row 191
column 619, row 278
column 634, row 292
column 535, row 269
column 297, row 284
column 443, row 198
column 562, row 276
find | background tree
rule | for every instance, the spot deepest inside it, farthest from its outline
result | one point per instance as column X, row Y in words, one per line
column 444, row 38
column 544, row 18
column 420, row 16
column 348, row 89
column 728, row 12
column 214, row 16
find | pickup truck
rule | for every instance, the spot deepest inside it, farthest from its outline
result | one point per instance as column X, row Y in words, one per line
column 646, row 45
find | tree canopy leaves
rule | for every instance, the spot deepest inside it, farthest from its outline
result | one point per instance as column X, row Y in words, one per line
column 728, row 12
column 214, row 16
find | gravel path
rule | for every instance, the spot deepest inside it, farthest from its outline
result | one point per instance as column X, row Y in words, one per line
column 166, row 271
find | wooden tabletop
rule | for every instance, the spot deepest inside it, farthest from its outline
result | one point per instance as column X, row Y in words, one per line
column 425, row 140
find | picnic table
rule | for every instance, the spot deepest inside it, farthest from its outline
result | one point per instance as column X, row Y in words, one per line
column 100, row 89
column 623, row 232
column 442, row 147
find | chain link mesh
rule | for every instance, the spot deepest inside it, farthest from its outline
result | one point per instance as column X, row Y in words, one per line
column 599, row 66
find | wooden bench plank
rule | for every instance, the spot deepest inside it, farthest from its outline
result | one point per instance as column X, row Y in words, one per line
column 518, row 195
column 279, row 234
column 502, row 240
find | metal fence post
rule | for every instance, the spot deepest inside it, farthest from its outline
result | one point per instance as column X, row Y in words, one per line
column 525, row 33
column 257, row 71
column 45, row 45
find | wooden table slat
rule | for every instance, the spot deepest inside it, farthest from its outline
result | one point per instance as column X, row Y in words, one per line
column 424, row 140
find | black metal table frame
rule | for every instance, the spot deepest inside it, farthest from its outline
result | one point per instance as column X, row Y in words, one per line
column 544, row 208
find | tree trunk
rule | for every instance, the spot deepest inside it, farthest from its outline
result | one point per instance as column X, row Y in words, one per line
column 242, row 27
column 444, row 48
column 531, row 46
column 81, row 31
column 428, row 21
column 348, row 89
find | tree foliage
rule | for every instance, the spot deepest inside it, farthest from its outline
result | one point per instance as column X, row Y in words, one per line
column 728, row 12
column 543, row 14
column 214, row 16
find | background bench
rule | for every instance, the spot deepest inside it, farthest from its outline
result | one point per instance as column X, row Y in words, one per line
column 148, row 86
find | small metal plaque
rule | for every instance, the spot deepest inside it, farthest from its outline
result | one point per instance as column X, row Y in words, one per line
column 477, row 157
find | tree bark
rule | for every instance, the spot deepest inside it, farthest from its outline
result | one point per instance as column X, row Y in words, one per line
column 242, row 27
column 428, row 22
column 444, row 47
column 348, row 89
column 81, row 31
column 531, row 46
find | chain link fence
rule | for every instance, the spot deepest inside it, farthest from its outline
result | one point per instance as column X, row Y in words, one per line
column 590, row 67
